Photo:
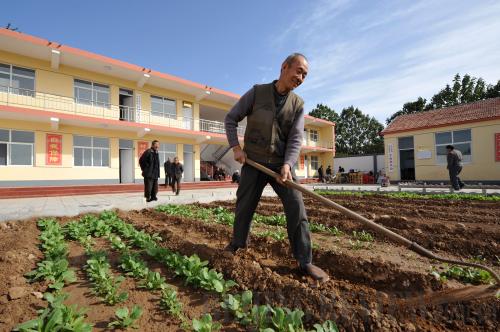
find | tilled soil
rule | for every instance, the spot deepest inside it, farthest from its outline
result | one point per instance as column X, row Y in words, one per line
column 366, row 285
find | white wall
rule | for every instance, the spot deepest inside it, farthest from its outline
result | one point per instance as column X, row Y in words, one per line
column 359, row 163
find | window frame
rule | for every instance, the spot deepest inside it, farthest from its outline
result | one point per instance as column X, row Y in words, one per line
column 163, row 112
column 92, row 148
column 163, row 154
column 315, row 160
column 314, row 135
column 441, row 161
column 93, row 93
column 10, row 88
column 9, row 149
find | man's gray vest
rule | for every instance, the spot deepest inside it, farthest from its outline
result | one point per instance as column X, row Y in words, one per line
column 267, row 132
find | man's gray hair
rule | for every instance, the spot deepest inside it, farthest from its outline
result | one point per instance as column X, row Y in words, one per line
column 292, row 57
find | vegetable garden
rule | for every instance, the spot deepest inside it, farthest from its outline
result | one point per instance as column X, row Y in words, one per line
column 164, row 269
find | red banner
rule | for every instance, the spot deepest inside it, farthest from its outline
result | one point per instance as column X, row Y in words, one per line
column 141, row 147
column 54, row 150
column 497, row 147
column 301, row 164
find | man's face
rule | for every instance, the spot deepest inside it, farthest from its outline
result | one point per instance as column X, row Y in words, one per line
column 293, row 75
column 176, row 160
column 155, row 146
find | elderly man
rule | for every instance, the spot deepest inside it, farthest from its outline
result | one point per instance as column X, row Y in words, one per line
column 454, row 166
column 273, row 137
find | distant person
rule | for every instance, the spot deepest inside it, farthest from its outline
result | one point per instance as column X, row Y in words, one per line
column 454, row 166
column 150, row 166
column 236, row 177
column 168, row 168
column 321, row 174
column 177, row 171
column 328, row 176
column 341, row 169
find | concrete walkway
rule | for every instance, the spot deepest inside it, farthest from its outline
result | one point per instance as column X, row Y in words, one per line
column 23, row 208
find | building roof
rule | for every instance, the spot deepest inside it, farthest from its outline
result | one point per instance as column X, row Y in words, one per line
column 483, row 110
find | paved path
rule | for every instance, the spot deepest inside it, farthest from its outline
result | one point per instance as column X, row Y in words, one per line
column 23, row 208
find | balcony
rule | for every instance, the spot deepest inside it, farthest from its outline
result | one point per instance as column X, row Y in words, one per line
column 319, row 145
column 54, row 103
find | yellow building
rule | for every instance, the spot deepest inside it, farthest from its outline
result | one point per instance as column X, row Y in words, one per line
column 415, row 144
column 68, row 116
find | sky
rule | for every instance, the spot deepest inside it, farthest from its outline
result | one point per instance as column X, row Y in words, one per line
column 374, row 55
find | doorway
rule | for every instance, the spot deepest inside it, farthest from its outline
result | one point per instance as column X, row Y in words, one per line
column 187, row 115
column 126, row 101
column 126, row 161
column 188, row 163
column 406, row 158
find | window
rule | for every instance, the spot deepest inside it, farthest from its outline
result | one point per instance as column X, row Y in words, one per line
column 314, row 162
column 16, row 147
column 314, row 136
column 163, row 107
column 460, row 139
column 167, row 150
column 17, row 80
column 89, row 93
column 90, row 151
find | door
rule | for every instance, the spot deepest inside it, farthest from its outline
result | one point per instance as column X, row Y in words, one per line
column 188, row 163
column 187, row 115
column 126, row 161
column 406, row 158
column 126, row 101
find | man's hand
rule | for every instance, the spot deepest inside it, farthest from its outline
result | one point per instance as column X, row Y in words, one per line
column 239, row 155
column 286, row 174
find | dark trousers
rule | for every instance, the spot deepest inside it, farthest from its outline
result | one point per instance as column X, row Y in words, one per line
column 176, row 184
column 252, row 183
column 150, row 187
column 456, row 183
column 168, row 180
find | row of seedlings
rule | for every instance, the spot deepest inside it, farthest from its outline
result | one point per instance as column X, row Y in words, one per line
column 98, row 270
column 196, row 272
column 54, row 270
column 131, row 265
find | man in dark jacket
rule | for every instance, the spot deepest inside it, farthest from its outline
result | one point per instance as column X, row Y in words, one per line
column 168, row 166
column 320, row 173
column 273, row 137
column 177, row 171
column 454, row 166
column 150, row 166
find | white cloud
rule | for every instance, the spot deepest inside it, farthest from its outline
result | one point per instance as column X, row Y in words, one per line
column 380, row 57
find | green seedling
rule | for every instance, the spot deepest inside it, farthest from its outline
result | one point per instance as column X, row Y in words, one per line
column 363, row 236
column 205, row 324
column 126, row 319
column 133, row 266
column 327, row 326
column 170, row 302
column 152, row 280
column 57, row 317
column 56, row 272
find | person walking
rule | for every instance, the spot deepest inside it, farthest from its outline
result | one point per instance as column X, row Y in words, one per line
column 329, row 174
column 177, row 171
column 167, row 166
column 273, row 137
column 150, row 166
column 454, row 166
column 320, row 174
column 236, row 177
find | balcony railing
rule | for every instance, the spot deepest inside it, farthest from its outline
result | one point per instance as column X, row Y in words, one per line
column 217, row 127
column 318, row 144
column 50, row 102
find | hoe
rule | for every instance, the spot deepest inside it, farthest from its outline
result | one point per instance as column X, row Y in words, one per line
column 447, row 296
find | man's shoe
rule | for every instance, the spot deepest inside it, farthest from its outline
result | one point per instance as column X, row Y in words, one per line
column 154, row 198
column 148, row 200
column 231, row 248
column 315, row 272
column 462, row 185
